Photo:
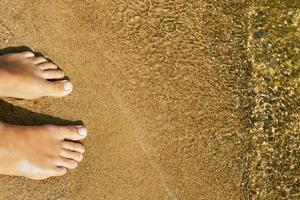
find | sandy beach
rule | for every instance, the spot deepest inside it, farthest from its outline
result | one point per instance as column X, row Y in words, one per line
column 171, row 93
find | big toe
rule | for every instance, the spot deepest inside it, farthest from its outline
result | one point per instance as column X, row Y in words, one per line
column 73, row 132
column 59, row 88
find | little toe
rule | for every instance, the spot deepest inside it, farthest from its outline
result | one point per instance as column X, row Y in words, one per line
column 71, row 155
column 59, row 171
column 59, row 88
column 47, row 65
column 67, row 163
column 38, row 60
column 73, row 146
column 73, row 132
column 53, row 74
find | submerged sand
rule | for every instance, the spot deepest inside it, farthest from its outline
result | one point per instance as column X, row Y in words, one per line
column 165, row 89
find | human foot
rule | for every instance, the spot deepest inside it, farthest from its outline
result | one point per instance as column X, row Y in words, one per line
column 22, row 75
column 40, row 152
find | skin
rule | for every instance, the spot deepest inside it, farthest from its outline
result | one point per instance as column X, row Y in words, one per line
column 28, row 77
column 36, row 152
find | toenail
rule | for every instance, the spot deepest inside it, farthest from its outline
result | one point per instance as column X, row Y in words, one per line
column 80, row 157
column 82, row 131
column 68, row 86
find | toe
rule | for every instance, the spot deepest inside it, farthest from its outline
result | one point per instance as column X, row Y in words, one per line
column 27, row 54
column 59, row 171
column 53, row 74
column 59, row 88
column 73, row 132
column 71, row 155
column 67, row 163
column 47, row 65
column 73, row 146
column 38, row 60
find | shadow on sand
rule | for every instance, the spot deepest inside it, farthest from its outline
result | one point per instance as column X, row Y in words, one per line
column 18, row 50
column 20, row 116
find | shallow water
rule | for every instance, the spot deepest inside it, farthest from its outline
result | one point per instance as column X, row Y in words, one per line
column 273, row 157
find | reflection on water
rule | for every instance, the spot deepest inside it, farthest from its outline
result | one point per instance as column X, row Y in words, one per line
column 273, row 157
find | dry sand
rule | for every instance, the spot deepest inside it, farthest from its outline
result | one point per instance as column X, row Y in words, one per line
column 162, row 87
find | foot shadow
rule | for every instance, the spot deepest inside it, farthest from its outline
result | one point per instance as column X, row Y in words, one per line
column 21, row 49
column 16, row 50
column 20, row 116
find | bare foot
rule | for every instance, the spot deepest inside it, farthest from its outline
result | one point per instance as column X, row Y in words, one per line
column 40, row 152
column 22, row 75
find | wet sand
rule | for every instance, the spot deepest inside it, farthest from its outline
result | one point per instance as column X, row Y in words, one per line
column 163, row 87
